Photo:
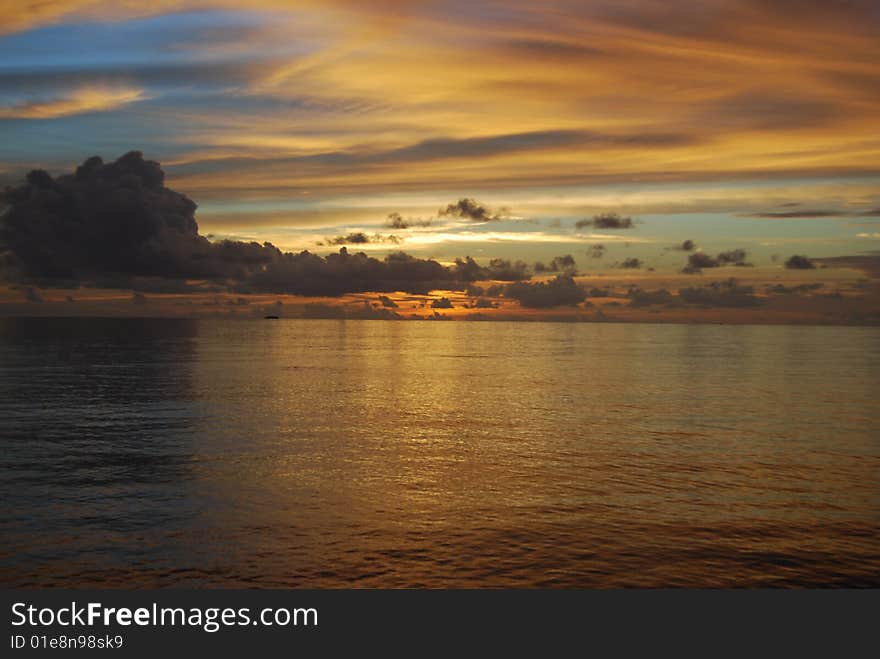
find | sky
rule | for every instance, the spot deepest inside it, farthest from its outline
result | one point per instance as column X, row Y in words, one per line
column 748, row 125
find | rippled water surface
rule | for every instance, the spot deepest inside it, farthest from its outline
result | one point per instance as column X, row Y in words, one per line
column 368, row 453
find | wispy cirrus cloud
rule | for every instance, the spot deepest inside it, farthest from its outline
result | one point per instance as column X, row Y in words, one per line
column 565, row 111
column 808, row 213
column 78, row 101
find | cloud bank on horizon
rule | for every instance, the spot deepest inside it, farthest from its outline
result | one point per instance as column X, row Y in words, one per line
column 505, row 130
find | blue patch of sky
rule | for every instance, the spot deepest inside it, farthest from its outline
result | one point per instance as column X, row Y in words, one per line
column 167, row 38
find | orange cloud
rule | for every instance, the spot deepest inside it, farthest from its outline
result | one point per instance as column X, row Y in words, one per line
column 79, row 101
column 417, row 97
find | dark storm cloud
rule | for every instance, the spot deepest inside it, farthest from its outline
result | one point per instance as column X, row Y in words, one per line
column 726, row 293
column 116, row 224
column 699, row 260
column 799, row 262
column 471, row 209
column 107, row 218
column 606, row 221
column 559, row 291
column 442, row 303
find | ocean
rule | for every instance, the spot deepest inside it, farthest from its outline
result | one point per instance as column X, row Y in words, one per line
column 146, row 453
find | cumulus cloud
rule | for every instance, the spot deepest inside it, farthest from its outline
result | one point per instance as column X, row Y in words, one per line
column 351, row 239
column 471, row 209
column 733, row 257
column 504, row 270
column 397, row 221
column 684, row 246
column 361, row 238
column 442, row 303
column 365, row 311
column 799, row 262
column 699, row 260
column 105, row 218
column 467, row 269
column 632, row 263
column 728, row 293
column 564, row 263
column 696, row 263
column 781, row 289
column 606, row 221
column 559, row 291
column 112, row 224
column 642, row 298
column 337, row 274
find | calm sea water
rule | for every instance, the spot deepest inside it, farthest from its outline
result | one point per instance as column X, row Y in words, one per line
column 368, row 453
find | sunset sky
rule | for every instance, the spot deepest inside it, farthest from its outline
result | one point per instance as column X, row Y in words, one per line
column 736, row 125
